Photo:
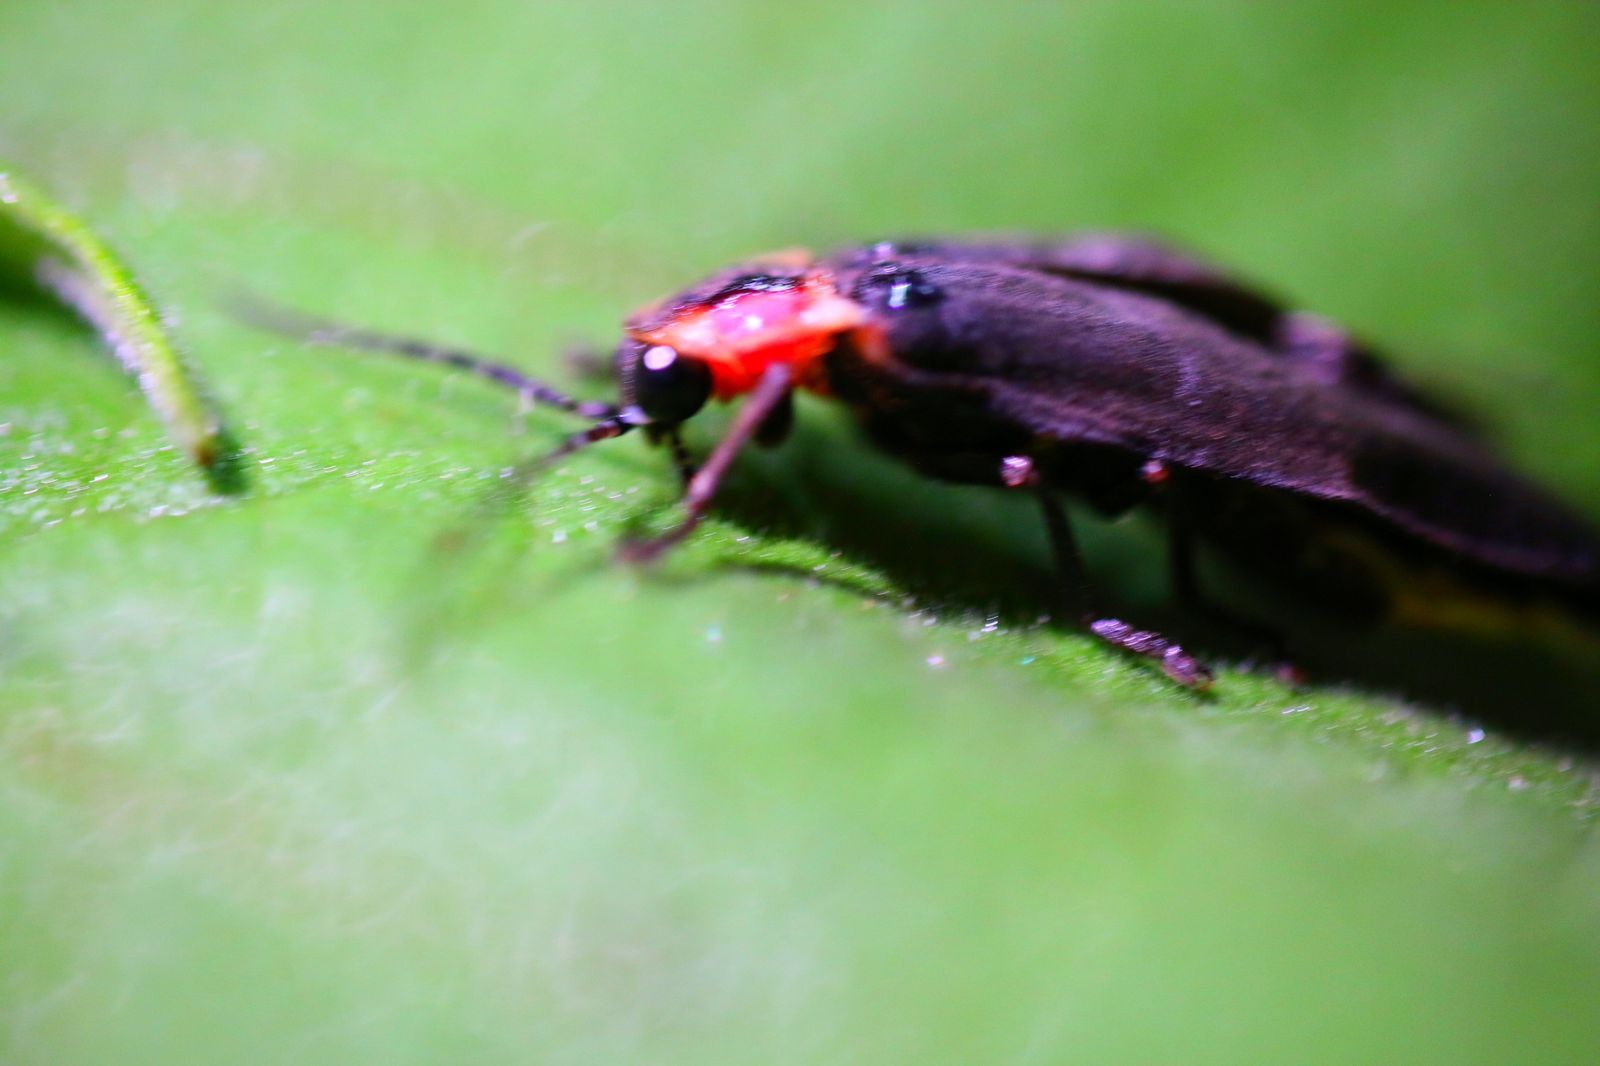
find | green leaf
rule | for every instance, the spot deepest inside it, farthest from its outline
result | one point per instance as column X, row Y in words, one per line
column 364, row 766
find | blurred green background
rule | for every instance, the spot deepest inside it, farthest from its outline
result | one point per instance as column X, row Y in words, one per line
column 352, row 769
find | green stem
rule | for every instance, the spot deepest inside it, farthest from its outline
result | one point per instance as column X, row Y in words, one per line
column 62, row 254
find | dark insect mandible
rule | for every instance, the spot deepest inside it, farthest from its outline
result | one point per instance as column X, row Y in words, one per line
column 1115, row 370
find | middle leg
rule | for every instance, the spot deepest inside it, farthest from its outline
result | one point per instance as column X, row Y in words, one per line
column 1017, row 471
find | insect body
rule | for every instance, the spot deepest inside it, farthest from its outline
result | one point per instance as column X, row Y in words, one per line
column 1114, row 370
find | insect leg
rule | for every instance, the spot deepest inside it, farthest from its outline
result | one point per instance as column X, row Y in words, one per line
column 1184, row 575
column 1176, row 663
column 514, row 480
column 1069, row 560
column 314, row 330
column 769, row 392
column 680, row 458
column 1187, row 592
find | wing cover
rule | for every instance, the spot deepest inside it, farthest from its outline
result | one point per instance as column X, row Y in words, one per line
column 1145, row 265
column 1078, row 362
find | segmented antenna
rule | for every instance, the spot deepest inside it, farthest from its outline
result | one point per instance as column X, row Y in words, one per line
column 612, row 420
column 314, row 330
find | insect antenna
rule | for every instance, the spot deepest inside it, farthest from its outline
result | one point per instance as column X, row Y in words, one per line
column 322, row 331
column 516, row 479
column 614, row 425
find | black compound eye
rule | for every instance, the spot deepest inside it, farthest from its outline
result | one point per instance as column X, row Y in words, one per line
column 670, row 386
column 905, row 288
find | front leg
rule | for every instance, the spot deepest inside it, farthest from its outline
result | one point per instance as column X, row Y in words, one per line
column 770, row 393
column 1017, row 471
